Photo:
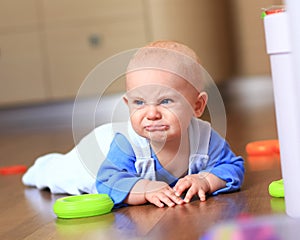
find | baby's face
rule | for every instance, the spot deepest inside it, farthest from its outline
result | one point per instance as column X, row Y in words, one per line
column 161, row 104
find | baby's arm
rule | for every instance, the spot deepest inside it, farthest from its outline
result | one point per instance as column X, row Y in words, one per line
column 117, row 177
column 224, row 173
column 155, row 192
column 198, row 184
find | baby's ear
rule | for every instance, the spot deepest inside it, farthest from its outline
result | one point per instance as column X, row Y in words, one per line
column 200, row 104
column 125, row 99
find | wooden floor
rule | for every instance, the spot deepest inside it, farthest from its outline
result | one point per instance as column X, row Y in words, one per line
column 26, row 213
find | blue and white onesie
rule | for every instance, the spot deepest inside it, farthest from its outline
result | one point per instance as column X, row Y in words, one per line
column 131, row 158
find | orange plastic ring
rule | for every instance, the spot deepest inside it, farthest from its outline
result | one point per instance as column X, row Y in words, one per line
column 266, row 147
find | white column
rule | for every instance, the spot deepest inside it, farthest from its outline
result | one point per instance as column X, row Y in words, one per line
column 287, row 95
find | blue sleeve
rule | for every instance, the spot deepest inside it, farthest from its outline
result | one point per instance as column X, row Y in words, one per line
column 117, row 174
column 224, row 164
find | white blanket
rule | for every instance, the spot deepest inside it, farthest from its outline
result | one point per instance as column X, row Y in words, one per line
column 68, row 173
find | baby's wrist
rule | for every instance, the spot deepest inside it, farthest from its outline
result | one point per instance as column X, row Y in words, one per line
column 203, row 176
column 213, row 181
column 146, row 189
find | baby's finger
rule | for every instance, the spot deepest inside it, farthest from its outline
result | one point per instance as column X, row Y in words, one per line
column 181, row 186
column 202, row 195
column 156, row 201
column 176, row 199
column 190, row 193
column 166, row 200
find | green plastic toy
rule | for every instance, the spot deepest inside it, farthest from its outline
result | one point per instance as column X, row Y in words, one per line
column 276, row 188
column 85, row 205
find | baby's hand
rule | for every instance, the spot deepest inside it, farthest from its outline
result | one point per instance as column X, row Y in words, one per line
column 160, row 193
column 195, row 184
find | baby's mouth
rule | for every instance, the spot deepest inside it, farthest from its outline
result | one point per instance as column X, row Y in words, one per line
column 153, row 128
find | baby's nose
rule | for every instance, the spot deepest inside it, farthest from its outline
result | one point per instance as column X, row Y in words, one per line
column 153, row 112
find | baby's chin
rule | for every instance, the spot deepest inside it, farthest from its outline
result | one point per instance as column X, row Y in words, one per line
column 156, row 136
column 162, row 138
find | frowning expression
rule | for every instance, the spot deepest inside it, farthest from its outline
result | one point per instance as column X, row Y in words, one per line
column 161, row 104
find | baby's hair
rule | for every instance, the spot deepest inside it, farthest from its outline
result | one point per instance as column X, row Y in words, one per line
column 175, row 46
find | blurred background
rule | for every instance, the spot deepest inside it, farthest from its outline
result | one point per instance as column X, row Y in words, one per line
column 47, row 48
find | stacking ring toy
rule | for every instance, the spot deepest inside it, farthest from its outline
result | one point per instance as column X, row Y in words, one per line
column 276, row 188
column 266, row 147
column 15, row 169
column 85, row 205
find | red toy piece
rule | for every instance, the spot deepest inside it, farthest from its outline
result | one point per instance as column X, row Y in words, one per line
column 15, row 169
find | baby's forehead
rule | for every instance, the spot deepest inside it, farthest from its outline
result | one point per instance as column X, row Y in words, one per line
column 155, row 78
column 146, row 85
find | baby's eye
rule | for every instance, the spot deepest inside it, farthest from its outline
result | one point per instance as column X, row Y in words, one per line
column 139, row 102
column 166, row 101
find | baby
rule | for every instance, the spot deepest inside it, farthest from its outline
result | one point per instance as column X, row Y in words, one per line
column 169, row 155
